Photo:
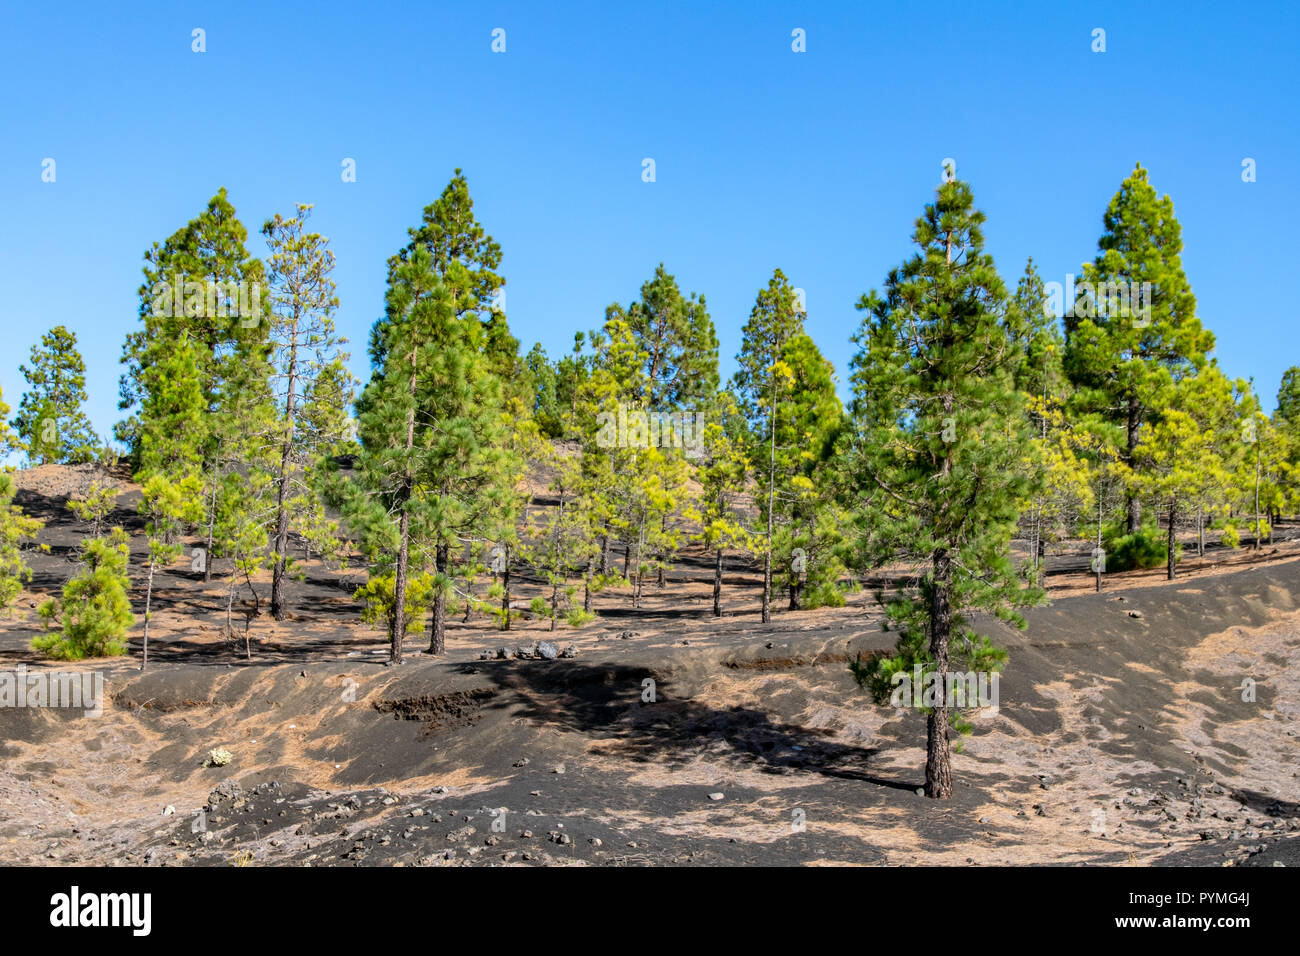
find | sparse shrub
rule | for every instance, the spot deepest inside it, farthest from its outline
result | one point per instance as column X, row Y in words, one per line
column 825, row 594
column 94, row 614
column 218, row 757
column 577, row 617
column 1231, row 537
column 537, row 607
column 94, row 505
column 380, row 604
column 1145, row 548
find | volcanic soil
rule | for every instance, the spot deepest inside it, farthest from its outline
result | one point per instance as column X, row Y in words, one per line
column 1154, row 723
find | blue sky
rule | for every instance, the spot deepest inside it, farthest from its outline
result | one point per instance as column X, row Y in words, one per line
column 816, row 162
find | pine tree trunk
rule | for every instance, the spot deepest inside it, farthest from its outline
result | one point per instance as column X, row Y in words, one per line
column 1101, row 489
column 1134, row 505
column 938, row 767
column 663, row 526
column 1200, row 534
column 404, row 527
column 230, row 600
column 281, row 549
column 282, row 493
column 767, row 586
column 212, row 526
column 555, row 603
column 636, row 580
column 399, row 584
column 1257, row 528
column 604, row 553
column 1170, row 559
column 438, row 629
column 148, row 597
column 505, row 589
column 771, row 503
column 717, row 583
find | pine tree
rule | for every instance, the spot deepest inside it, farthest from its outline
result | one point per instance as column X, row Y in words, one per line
column 762, row 386
column 1065, row 494
column 678, row 340
column 559, row 539
column 938, row 427
column 305, row 347
column 94, row 614
column 201, row 284
column 245, row 507
column 168, row 505
column 94, row 505
column 15, row 528
column 1265, row 469
column 431, row 431
column 173, row 411
column 1288, row 397
column 203, row 288
column 722, row 473
column 808, row 524
column 466, row 259
column 50, row 421
column 1178, row 456
column 1133, row 331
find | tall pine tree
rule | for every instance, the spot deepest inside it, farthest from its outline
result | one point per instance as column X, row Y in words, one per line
column 938, row 427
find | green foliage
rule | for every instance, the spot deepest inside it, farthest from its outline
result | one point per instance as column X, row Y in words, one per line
column 202, row 262
column 94, row 505
column 15, row 528
column 9, row 440
column 1288, row 397
column 435, row 464
column 936, row 474
column 677, row 343
column 577, row 617
column 50, row 422
column 173, row 413
column 1125, row 551
column 311, row 384
column 380, row 605
column 94, row 614
column 1133, row 330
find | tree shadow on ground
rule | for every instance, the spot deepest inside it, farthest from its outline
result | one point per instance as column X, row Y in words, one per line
column 605, row 703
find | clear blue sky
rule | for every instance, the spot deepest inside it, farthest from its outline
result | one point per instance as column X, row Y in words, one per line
column 816, row 162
